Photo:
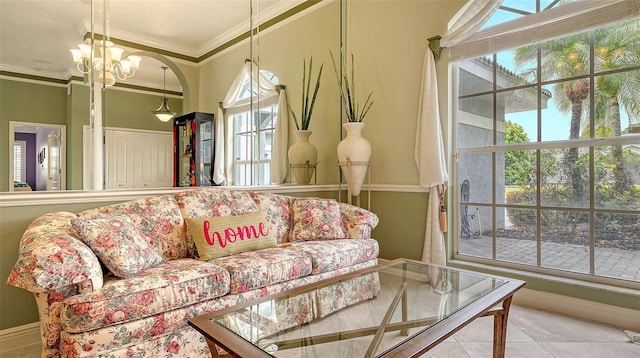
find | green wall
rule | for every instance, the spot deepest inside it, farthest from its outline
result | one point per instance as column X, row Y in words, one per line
column 52, row 103
column 17, row 306
column 27, row 102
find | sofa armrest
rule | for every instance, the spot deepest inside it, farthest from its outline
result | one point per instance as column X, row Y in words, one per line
column 358, row 222
column 52, row 257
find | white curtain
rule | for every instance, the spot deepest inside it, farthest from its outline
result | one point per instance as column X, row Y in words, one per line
column 470, row 41
column 267, row 93
column 430, row 159
column 468, row 20
column 429, row 150
column 279, row 148
column 218, row 159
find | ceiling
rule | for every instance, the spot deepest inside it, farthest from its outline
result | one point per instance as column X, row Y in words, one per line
column 36, row 35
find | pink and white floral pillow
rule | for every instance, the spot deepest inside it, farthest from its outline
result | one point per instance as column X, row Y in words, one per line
column 118, row 244
column 316, row 219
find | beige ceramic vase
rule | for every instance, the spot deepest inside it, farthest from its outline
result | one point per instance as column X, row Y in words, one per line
column 303, row 157
column 354, row 153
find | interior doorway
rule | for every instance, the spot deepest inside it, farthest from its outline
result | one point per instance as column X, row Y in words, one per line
column 37, row 156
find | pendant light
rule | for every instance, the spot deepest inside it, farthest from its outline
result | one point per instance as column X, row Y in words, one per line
column 163, row 112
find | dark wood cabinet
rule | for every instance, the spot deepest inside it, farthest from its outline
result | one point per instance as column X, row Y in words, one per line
column 193, row 149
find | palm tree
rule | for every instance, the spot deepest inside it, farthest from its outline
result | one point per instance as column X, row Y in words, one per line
column 567, row 57
column 617, row 48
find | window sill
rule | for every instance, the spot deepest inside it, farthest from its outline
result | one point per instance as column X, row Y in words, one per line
column 632, row 290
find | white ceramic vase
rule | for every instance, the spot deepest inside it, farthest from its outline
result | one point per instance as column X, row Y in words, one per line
column 303, row 157
column 354, row 153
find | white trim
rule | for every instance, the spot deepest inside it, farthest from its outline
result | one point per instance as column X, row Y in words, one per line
column 8, row 199
column 621, row 317
column 235, row 32
column 20, row 336
column 135, row 90
column 34, row 81
column 30, row 71
column 11, row 199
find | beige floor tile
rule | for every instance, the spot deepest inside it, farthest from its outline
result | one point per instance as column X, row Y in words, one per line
column 33, row 351
column 447, row 349
column 481, row 330
column 513, row 350
column 545, row 326
column 531, row 334
column 593, row 349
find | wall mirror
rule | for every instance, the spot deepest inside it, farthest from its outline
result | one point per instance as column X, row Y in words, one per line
column 36, row 66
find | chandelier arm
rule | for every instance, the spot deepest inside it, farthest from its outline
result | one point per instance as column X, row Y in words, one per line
column 81, row 67
column 118, row 72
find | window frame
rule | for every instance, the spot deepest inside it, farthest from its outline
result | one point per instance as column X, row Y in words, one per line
column 22, row 161
column 253, row 174
column 536, row 145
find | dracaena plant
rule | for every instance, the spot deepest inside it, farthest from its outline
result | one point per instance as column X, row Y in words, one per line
column 348, row 92
column 307, row 104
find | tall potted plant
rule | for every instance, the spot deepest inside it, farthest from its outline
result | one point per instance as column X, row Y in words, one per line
column 303, row 156
column 354, row 151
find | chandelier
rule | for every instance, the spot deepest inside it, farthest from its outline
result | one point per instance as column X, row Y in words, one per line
column 110, row 65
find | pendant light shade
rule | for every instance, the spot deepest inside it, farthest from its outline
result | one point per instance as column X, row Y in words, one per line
column 163, row 113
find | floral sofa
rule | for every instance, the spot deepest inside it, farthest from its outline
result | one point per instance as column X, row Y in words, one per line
column 101, row 293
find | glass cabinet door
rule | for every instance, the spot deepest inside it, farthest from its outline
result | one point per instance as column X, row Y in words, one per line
column 193, row 149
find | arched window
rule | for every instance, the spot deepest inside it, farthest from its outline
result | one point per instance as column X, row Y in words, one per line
column 252, row 113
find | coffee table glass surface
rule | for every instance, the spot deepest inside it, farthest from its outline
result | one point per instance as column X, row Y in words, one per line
column 411, row 308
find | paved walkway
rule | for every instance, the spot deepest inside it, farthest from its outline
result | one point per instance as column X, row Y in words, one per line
column 616, row 263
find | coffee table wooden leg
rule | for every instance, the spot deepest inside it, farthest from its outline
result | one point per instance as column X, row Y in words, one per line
column 212, row 348
column 500, row 320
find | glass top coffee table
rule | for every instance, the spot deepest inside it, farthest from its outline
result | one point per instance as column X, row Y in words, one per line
column 400, row 308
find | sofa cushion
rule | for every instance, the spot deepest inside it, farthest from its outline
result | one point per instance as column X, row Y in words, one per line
column 227, row 235
column 278, row 210
column 212, row 202
column 174, row 284
column 316, row 219
column 215, row 202
column 158, row 218
column 255, row 269
column 118, row 243
column 335, row 254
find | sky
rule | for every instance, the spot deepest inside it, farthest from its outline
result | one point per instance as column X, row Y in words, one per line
column 555, row 125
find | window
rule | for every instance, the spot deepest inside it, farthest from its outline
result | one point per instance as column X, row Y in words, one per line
column 253, row 119
column 19, row 161
column 548, row 165
column 253, row 135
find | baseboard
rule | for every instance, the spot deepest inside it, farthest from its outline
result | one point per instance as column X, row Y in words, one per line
column 21, row 336
column 624, row 318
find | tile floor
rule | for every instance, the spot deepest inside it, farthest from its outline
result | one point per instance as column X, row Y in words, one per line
column 531, row 334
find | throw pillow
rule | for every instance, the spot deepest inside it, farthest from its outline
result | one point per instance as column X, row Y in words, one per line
column 227, row 235
column 118, row 244
column 316, row 219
